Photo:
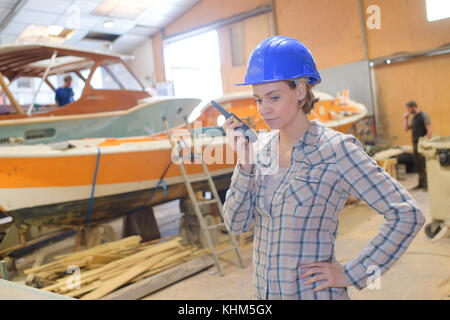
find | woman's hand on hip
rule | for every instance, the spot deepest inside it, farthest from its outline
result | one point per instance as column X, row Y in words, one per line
column 332, row 273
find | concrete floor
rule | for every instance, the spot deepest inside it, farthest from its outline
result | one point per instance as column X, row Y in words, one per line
column 416, row 275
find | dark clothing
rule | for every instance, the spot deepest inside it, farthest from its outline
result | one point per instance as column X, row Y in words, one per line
column 418, row 127
column 420, row 164
column 64, row 96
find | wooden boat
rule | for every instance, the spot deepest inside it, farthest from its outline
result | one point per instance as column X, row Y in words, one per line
column 113, row 102
column 340, row 113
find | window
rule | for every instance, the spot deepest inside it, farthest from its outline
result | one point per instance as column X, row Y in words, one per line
column 124, row 76
column 114, row 76
column 193, row 64
column 438, row 9
column 103, row 79
column 77, row 84
column 24, row 90
column 237, row 44
column 24, row 83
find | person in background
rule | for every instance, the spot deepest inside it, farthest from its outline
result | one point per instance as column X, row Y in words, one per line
column 420, row 125
column 64, row 94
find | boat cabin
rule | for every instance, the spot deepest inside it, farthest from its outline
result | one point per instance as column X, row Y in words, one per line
column 31, row 73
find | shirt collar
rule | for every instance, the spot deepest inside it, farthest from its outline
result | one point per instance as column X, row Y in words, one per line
column 312, row 135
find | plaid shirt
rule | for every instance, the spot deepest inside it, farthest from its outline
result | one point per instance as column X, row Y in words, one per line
column 300, row 227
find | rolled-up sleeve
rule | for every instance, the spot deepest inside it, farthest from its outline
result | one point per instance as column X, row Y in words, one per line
column 238, row 207
column 361, row 177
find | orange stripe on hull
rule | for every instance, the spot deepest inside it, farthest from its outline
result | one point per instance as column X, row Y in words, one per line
column 79, row 170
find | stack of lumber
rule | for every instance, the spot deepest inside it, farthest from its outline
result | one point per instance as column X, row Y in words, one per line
column 109, row 266
column 388, row 161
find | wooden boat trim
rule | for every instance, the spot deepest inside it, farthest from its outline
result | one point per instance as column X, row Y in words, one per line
column 78, row 73
column 50, row 84
column 8, row 92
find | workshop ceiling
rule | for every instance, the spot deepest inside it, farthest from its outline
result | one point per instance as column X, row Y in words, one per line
column 69, row 22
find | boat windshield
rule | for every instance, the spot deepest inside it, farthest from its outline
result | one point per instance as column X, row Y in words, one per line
column 114, row 75
column 24, row 90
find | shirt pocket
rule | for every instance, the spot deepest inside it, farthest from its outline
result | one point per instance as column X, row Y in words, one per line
column 303, row 188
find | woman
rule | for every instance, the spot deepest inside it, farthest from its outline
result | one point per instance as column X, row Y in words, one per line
column 295, row 209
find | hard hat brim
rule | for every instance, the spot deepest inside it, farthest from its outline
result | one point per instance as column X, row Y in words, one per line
column 313, row 77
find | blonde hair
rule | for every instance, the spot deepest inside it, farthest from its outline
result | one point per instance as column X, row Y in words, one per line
column 307, row 104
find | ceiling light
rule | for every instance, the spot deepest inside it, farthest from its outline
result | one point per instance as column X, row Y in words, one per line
column 388, row 61
column 108, row 23
column 130, row 9
column 54, row 30
column 46, row 34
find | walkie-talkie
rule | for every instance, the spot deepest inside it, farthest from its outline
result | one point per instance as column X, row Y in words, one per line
column 249, row 133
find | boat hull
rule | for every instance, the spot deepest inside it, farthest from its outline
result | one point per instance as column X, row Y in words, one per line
column 43, row 186
column 106, row 208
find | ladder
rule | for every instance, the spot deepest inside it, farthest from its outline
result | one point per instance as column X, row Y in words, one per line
column 197, row 204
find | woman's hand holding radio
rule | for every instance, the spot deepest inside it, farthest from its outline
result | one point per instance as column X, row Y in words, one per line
column 241, row 145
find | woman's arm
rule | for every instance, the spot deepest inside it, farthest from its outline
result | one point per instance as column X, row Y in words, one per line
column 238, row 207
column 363, row 178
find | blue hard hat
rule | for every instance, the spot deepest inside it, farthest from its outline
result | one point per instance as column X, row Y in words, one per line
column 281, row 58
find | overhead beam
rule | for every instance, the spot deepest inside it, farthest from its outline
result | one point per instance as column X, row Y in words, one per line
column 444, row 49
column 218, row 24
column 12, row 13
column 274, row 17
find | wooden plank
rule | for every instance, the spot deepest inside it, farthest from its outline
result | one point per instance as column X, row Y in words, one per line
column 101, row 259
column 171, row 261
column 122, row 279
column 147, row 286
column 105, row 247
column 84, row 289
column 386, row 154
column 30, row 278
column 49, row 251
column 91, row 275
column 155, row 271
